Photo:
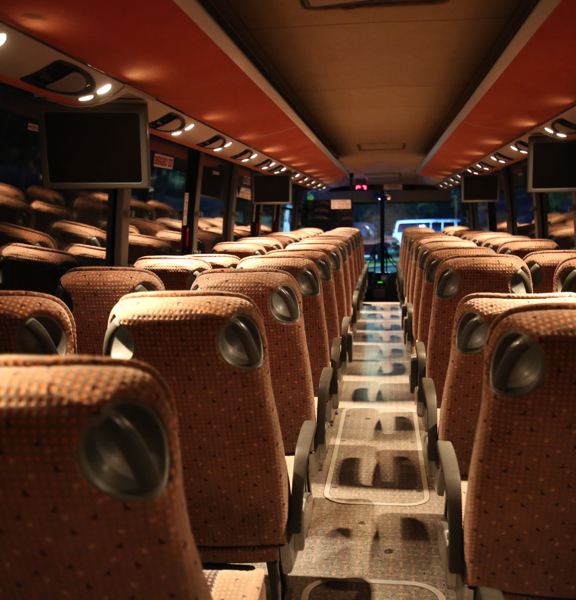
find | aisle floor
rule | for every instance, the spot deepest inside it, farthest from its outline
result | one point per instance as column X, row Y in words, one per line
column 373, row 533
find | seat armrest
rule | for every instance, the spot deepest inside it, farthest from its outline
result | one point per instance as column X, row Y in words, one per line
column 484, row 593
column 335, row 362
column 428, row 410
column 417, row 365
column 450, row 476
column 346, row 353
column 408, row 323
column 324, row 398
column 301, row 478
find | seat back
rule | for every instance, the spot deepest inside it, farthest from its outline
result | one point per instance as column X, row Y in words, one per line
column 146, row 226
column 452, row 229
column 45, row 215
column 519, row 522
column 240, row 249
column 409, row 237
column 15, row 234
column 18, row 212
column 90, row 509
column 92, row 292
column 523, row 247
column 88, row 256
column 565, row 276
column 307, row 275
column 563, row 236
column 34, row 323
column 37, row 192
column 282, row 237
column 176, row 272
column 463, row 390
column 456, row 278
column 171, row 224
column 278, row 298
column 219, row 261
column 431, row 265
column 495, row 242
column 11, row 192
column 161, row 209
column 268, row 242
column 146, row 245
column 68, row 232
column 328, row 288
column 543, row 265
column 174, row 238
column 32, row 268
column 212, row 350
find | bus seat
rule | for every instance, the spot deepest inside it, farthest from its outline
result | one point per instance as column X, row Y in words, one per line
column 33, row 268
column 563, row 236
column 456, row 278
column 34, row 323
column 16, row 212
column 280, row 240
column 543, row 265
column 90, row 209
column 176, row 272
column 36, row 192
column 240, row 249
column 470, row 234
column 208, row 238
column 352, row 255
column 92, row 292
column 68, row 232
column 162, row 210
column 495, row 242
column 10, row 233
column 519, row 525
column 268, row 242
column 146, row 245
column 214, row 354
column 11, row 192
column 452, row 229
column 431, row 265
column 88, row 256
column 463, row 389
column 285, row 239
column 142, row 210
column 146, row 226
column 170, row 223
column 219, row 261
column 87, row 506
column 523, row 247
column 174, row 238
column 565, row 276
column 46, row 214
column 479, row 238
column 307, row 275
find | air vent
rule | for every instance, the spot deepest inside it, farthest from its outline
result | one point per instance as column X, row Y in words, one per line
column 325, row 4
column 381, row 146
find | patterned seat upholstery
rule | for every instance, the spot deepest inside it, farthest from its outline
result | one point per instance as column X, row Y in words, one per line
column 212, row 349
column 36, row 192
column 34, row 323
column 88, row 256
column 480, row 238
column 161, row 209
column 452, row 229
column 425, row 249
column 459, row 277
column 16, row 211
column 176, row 272
column 358, row 240
column 67, row 232
column 240, row 249
column 170, row 223
column 277, row 296
column 563, row 236
column 345, row 246
column 543, row 265
column 285, row 239
column 174, row 238
column 146, row 245
column 431, row 265
column 495, row 242
column 142, row 210
column 565, row 276
column 219, row 261
column 409, row 236
column 45, row 215
column 92, row 292
column 519, row 522
column 412, row 261
column 268, row 242
column 470, row 234
column 11, row 192
column 146, row 226
column 307, row 275
column 463, row 390
column 353, row 253
column 90, row 208
column 10, row 233
column 523, row 247
column 33, row 268
column 124, row 535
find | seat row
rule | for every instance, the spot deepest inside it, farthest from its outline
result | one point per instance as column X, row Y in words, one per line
column 243, row 354
column 496, row 396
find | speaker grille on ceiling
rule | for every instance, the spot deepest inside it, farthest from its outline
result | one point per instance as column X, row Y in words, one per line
column 348, row 4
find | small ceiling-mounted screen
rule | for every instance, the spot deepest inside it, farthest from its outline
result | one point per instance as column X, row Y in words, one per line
column 98, row 147
column 272, row 189
column 551, row 165
column 480, row 188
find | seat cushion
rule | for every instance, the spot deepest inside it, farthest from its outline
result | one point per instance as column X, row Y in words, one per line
column 236, row 585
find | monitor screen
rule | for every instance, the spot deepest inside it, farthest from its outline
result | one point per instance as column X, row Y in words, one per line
column 101, row 147
column 213, row 182
column 272, row 189
column 551, row 165
column 480, row 188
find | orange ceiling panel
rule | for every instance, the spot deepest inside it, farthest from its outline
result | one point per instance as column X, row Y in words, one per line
column 155, row 47
column 537, row 85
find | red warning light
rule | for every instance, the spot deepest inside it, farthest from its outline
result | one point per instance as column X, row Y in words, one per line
column 361, row 186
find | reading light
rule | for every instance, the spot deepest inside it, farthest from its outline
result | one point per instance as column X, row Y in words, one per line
column 276, row 172
column 227, row 145
column 3, row 38
column 189, row 127
column 282, row 169
column 459, row 176
column 272, row 164
column 215, row 149
column 523, row 151
column 561, row 135
column 469, row 170
column 479, row 166
column 306, row 179
column 514, row 148
column 86, row 98
column 175, row 133
column 549, row 130
column 501, row 161
column 266, row 167
column 522, row 147
column 254, row 155
column 245, row 159
column 494, row 158
column 475, row 173
column 104, row 89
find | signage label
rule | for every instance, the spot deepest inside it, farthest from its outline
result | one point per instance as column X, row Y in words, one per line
column 341, row 204
column 164, row 162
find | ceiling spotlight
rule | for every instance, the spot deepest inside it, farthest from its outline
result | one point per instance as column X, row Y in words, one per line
column 523, row 151
column 227, row 145
column 502, row 161
column 276, row 172
column 215, row 149
column 469, row 170
column 282, row 169
column 104, row 89
column 189, row 127
column 549, row 130
column 561, row 135
column 86, row 98
column 306, row 179
column 522, row 147
column 459, row 176
column 475, row 173
column 514, row 148
column 272, row 164
column 266, row 167
column 494, row 158
column 245, row 159
column 3, row 38
column 486, row 168
column 479, row 166
column 254, row 155
column 175, row 133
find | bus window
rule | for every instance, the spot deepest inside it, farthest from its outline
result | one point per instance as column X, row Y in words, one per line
column 286, row 217
column 267, row 217
column 214, row 191
column 523, row 201
column 244, row 206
